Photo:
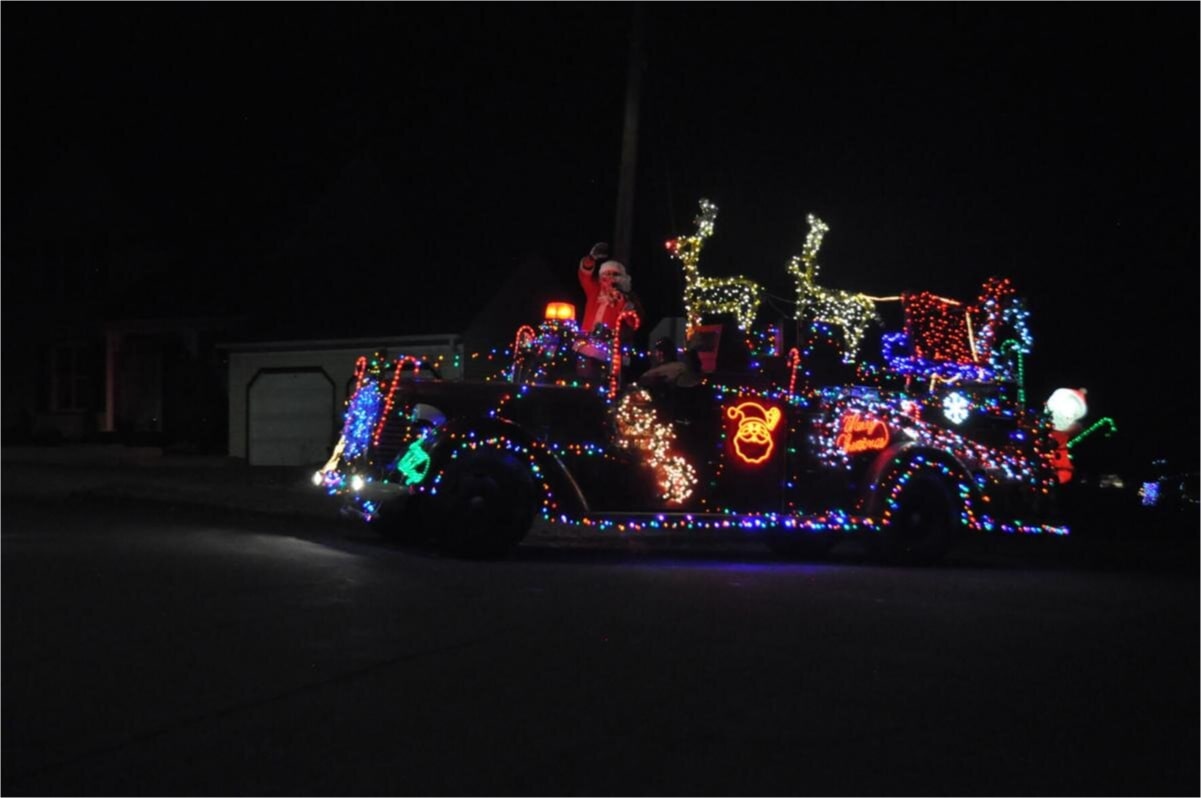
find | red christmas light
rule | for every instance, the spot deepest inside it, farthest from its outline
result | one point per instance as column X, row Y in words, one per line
column 383, row 417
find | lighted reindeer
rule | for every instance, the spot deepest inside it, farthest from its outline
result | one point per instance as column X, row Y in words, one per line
column 702, row 295
column 852, row 312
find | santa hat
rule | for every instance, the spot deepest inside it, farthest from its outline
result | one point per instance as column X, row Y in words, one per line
column 753, row 411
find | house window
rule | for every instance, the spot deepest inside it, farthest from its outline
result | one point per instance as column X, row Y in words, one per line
column 71, row 384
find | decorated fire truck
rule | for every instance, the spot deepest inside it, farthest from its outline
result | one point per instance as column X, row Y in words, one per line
column 799, row 433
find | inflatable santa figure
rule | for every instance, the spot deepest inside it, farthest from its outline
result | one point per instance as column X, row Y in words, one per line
column 1066, row 406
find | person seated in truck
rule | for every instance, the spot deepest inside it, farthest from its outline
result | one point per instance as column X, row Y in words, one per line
column 669, row 369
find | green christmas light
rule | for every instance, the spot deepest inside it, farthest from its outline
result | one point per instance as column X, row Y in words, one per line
column 415, row 464
column 1019, row 350
column 1106, row 421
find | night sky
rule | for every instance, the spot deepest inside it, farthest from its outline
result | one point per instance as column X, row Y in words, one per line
column 378, row 168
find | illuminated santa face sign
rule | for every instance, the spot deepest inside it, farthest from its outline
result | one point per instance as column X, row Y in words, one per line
column 752, row 439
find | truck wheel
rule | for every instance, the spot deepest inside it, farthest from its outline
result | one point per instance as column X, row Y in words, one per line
column 924, row 524
column 801, row 545
column 485, row 505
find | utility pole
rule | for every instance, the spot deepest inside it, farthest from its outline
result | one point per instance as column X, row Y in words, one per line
column 624, row 223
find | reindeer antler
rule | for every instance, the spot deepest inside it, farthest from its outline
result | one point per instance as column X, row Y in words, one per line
column 813, row 242
column 688, row 248
column 704, row 222
column 804, row 267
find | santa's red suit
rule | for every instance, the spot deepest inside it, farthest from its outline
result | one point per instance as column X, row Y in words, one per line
column 603, row 304
column 1061, row 458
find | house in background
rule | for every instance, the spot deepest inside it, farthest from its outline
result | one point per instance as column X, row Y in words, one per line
column 164, row 382
column 106, row 336
column 135, row 381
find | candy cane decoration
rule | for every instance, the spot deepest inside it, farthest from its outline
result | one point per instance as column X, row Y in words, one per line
column 360, row 368
column 1016, row 347
column 794, row 360
column 627, row 317
column 525, row 335
column 1100, row 423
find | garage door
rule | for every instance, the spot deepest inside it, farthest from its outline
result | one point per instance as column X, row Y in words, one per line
column 290, row 417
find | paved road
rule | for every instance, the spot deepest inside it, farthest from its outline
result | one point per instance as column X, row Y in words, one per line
column 150, row 649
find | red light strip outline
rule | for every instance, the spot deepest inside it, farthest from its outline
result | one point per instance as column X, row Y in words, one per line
column 615, row 366
column 383, row 418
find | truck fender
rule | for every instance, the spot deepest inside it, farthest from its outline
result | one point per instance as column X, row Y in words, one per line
column 557, row 489
column 896, row 459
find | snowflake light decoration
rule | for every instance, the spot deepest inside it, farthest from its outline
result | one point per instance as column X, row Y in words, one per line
column 956, row 407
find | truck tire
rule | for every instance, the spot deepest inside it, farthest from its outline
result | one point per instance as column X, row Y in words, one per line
column 484, row 505
column 925, row 523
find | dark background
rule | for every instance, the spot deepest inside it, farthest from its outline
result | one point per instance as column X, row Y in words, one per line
column 365, row 169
